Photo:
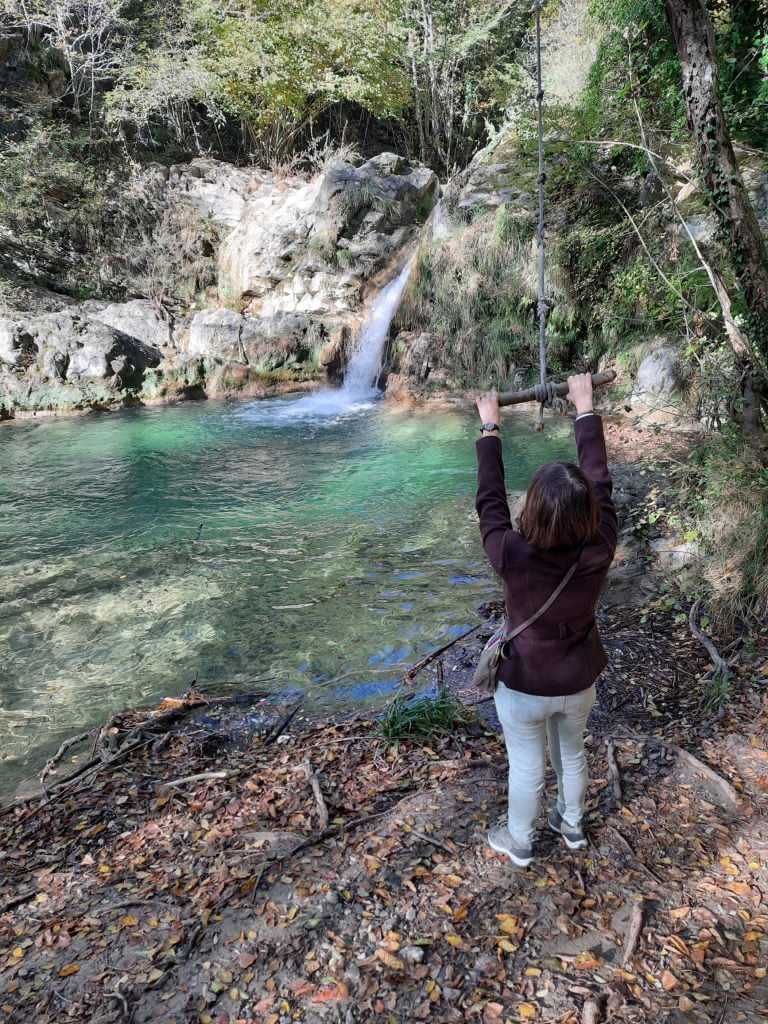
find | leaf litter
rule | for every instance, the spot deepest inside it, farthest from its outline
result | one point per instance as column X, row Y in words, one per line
column 225, row 898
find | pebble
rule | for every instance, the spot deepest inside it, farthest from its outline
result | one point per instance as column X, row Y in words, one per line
column 412, row 954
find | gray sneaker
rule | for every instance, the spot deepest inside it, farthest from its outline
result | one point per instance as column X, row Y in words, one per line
column 574, row 837
column 500, row 840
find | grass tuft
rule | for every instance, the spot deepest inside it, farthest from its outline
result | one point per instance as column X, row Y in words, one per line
column 422, row 717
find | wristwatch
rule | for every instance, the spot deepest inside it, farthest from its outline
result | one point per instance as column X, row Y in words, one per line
column 490, row 426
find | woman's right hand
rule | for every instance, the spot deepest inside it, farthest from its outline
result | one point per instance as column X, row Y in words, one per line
column 488, row 407
column 580, row 392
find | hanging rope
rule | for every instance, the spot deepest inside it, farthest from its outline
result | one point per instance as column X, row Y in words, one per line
column 543, row 305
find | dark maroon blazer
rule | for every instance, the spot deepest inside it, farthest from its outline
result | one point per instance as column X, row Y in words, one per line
column 561, row 653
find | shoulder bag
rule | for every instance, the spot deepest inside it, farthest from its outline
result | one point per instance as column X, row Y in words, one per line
column 486, row 675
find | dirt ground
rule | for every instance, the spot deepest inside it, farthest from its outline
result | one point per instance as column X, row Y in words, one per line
column 191, row 871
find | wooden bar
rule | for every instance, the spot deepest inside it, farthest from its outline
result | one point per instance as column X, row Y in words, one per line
column 529, row 395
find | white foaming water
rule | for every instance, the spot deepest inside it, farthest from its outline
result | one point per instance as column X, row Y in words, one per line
column 365, row 363
column 359, row 391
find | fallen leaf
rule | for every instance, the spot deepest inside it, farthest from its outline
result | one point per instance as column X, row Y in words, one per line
column 393, row 962
column 69, row 969
column 669, row 981
column 332, row 992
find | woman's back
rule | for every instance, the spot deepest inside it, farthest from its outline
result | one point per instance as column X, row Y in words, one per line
column 561, row 652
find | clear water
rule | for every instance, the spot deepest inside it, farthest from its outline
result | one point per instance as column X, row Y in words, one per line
column 144, row 550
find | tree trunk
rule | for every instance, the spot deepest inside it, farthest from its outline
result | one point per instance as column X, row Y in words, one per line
column 694, row 37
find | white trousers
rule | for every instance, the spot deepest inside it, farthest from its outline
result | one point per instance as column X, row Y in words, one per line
column 529, row 723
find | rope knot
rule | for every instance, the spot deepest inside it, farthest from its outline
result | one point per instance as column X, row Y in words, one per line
column 545, row 394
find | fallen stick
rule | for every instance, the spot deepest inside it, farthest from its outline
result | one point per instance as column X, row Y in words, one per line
column 529, row 394
column 432, row 841
column 51, row 763
column 196, row 778
column 622, row 843
column 633, row 932
column 721, row 665
column 314, row 782
column 24, row 897
column 613, row 768
column 415, row 669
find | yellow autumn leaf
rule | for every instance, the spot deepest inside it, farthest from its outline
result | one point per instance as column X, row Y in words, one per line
column 586, row 962
column 508, row 927
column 129, row 921
column 506, row 946
column 532, row 972
column 526, row 1010
column 454, row 940
column 391, row 961
column 69, row 969
column 18, row 952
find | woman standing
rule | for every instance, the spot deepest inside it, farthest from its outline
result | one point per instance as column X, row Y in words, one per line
column 547, row 680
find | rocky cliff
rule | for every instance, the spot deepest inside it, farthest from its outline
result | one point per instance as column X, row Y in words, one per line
column 296, row 264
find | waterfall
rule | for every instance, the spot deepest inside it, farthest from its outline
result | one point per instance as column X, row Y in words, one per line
column 358, row 389
column 365, row 363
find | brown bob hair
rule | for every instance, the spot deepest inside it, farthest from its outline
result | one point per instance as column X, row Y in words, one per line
column 561, row 509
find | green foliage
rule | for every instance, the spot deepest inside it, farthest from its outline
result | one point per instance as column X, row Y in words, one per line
column 477, row 289
column 422, row 717
column 56, row 208
column 270, row 67
column 722, row 501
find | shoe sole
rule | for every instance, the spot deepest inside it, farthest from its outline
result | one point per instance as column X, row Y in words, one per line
column 579, row 844
column 518, row 861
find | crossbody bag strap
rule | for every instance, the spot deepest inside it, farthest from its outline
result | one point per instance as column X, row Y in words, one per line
column 553, row 597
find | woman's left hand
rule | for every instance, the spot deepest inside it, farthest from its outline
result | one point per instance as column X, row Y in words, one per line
column 488, row 407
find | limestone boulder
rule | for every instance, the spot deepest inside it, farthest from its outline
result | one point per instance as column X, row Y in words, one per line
column 660, row 374
column 138, row 319
column 284, row 341
column 309, row 246
column 213, row 188
column 215, row 334
column 65, row 360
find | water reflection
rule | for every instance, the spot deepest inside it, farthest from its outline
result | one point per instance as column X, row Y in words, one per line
column 335, row 549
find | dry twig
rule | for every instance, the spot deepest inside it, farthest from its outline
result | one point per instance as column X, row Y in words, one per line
column 322, row 810
column 613, row 768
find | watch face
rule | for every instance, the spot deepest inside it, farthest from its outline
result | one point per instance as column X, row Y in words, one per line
column 490, row 426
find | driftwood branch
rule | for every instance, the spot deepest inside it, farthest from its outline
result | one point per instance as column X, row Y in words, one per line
column 561, row 390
